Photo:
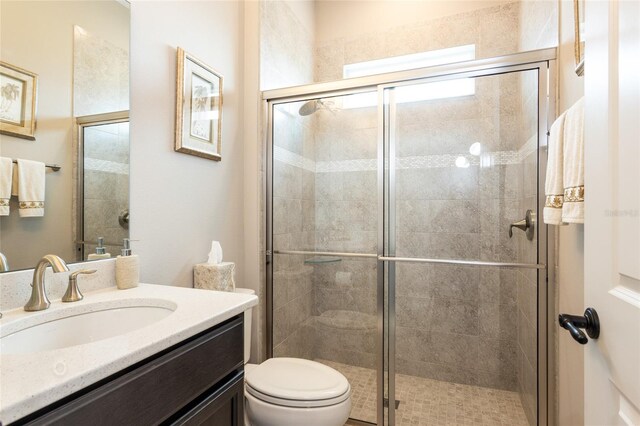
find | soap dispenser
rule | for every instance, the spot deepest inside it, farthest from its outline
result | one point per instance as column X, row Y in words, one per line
column 127, row 268
column 101, row 251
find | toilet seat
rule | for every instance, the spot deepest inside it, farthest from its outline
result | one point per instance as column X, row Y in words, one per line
column 294, row 382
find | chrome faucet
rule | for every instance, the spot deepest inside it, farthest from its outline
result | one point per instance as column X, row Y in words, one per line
column 39, row 300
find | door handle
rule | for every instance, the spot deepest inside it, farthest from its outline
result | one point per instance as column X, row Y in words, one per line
column 589, row 321
column 525, row 225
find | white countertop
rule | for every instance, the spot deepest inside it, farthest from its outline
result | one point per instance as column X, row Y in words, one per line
column 34, row 380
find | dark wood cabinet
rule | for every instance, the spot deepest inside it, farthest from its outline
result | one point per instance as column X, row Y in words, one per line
column 196, row 382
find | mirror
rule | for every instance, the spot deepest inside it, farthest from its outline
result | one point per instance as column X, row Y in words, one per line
column 79, row 51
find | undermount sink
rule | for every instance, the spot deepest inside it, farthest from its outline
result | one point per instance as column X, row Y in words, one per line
column 79, row 328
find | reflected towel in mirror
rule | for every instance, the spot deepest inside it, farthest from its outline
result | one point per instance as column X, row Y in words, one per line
column 31, row 181
column 6, row 176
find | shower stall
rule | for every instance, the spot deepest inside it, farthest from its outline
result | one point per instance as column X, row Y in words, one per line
column 403, row 243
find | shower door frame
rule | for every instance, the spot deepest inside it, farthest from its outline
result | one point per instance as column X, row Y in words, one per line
column 544, row 61
column 82, row 123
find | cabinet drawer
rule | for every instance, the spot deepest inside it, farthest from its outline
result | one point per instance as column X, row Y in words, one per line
column 224, row 407
column 156, row 390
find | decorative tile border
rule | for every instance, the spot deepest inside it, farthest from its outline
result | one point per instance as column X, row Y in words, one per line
column 489, row 159
column 347, row 166
column 106, row 166
column 293, row 159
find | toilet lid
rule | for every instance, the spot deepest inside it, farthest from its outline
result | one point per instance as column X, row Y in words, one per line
column 297, row 382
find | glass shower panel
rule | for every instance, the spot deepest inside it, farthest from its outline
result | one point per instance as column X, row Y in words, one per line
column 105, row 174
column 465, row 169
column 325, row 238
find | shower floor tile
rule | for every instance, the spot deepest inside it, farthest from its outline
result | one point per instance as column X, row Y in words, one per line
column 432, row 402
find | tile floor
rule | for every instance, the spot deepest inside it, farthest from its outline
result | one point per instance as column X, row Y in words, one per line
column 432, row 402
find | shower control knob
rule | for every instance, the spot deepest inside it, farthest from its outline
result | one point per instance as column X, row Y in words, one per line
column 123, row 218
column 589, row 321
column 526, row 225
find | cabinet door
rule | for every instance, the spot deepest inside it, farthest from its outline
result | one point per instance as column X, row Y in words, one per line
column 224, row 407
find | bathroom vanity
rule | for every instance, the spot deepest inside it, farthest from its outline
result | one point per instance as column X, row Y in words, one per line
column 182, row 366
column 180, row 386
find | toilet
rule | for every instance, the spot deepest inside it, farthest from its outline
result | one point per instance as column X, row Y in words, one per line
column 292, row 391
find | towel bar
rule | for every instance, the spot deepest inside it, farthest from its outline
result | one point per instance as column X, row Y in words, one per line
column 53, row 167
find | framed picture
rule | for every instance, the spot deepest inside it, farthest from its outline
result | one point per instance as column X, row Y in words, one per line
column 19, row 90
column 198, row 108
column 578, row 19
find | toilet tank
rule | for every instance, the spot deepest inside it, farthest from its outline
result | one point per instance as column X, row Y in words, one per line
column 247, row 325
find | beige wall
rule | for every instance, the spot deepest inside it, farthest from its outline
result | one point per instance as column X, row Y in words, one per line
column 570, row 268
column 179, row 202
column 38, row 36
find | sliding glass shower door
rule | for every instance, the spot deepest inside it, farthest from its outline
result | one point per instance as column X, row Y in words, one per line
column 397, row 247
column 325, row 238
column 463, row 156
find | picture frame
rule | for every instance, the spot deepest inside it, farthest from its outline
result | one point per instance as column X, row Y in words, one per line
column 578, row 18
column 198, row 129
column 18, row 101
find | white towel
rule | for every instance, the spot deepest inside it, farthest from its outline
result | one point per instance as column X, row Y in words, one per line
column 6, row 175
column 31, row 181
column 553, row 186
column 573, row 206
column 564, row 185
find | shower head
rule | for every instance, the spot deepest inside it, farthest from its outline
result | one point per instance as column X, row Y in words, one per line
column 310, row 107
column 314, row 105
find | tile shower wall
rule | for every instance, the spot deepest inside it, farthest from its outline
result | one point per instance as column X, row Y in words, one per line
column 286, row 59
column 346, row 221
column 448, row 317
column 293, row 229
column 100, row 75
column 457, row 323
column 454, row 323
column 494, row 31
column 286, row 56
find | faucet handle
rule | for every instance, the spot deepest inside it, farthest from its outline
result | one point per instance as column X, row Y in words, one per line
column 73, row 293
column 74, row 275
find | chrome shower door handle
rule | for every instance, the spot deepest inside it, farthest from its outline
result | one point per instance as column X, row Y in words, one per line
column 526, row 225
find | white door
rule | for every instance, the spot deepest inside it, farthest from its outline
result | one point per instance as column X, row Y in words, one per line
column 612, row 215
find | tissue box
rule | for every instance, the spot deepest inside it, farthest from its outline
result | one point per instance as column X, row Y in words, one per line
column 218, row 277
